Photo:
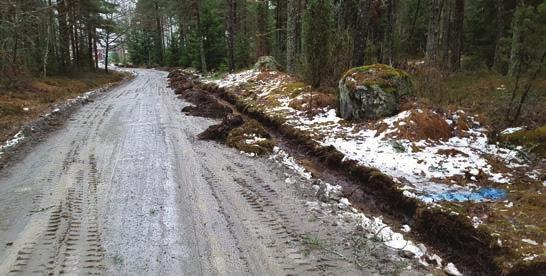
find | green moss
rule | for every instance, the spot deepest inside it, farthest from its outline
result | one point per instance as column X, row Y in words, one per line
column 385, row 77
column 237, row 138
column 534, row 140
column 293, row 89
column 380, row 69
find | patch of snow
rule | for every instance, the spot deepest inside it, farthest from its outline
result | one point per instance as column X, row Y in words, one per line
column 343, row 203
column 529, row 241
column 236, row 79
column 511, row 130
column 476, row 222
column 415, row 164
column 405, row 228
column 530, row 257
column 288, row 161
column 17, row 138
column 451, row 269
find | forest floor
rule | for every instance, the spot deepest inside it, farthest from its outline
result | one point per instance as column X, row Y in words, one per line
column 440, row 157
column 34, row 97
column 483, row 92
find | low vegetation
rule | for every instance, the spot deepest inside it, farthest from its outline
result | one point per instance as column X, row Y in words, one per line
column 33, row 97
column 251, row 138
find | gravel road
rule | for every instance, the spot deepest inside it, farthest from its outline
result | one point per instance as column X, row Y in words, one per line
column 124, row 188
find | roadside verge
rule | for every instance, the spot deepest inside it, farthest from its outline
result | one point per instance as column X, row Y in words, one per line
column 446, row 225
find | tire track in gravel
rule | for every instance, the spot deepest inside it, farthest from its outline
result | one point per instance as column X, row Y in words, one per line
column 71, row 242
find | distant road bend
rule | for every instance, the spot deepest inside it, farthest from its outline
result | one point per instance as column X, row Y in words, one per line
column 124, row 188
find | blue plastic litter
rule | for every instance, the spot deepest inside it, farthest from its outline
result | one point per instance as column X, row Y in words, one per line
column 483, row 194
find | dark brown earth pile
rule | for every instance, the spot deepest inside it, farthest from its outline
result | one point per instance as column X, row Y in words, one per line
column 220, row 132
column 186, row 85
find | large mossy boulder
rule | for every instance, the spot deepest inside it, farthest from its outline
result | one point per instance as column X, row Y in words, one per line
column 266, row 63
column 372, row 91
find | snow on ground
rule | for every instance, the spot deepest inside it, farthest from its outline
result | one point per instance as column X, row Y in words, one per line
column 417, row 165
column 331, row 201
column 17, row 138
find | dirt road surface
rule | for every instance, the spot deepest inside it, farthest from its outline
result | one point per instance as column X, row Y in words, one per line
column 126, row 189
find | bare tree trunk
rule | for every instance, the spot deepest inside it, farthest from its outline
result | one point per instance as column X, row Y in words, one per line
column 388, row 43
column 291, row 41
column 361, row 32
column 517, row 45
column 232, row 14
column 431, row 55
column 46, row 54
column 280, row 32
column 159, row 33
column 106, row 50
column 64, row 35
column 201, row 41
column 456, row 37
column 262, row 47
column 500, row 34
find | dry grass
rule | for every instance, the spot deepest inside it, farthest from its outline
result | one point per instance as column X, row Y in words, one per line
column 424, row 125
column 36, row 96
column 317, row 100
column 483, row 92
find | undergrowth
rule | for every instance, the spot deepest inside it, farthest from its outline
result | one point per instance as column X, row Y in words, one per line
column 32, row 97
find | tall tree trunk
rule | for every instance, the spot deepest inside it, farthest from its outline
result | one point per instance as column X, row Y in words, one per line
column 280, row 32
column 46, row 53
column 432, row 51
column 456, row 37
column 361, row 32
column 291, row 39
column 500, row 34
column 159, row 33
column 389, row 33
column 232, row 15
column 63, row 35
column 202, row 51
column 262, row 36
column 516, row 51
column 95, row 49
column 447, row 8
column 106, row 50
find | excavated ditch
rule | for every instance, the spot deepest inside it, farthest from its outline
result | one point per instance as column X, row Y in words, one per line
column 372, row 191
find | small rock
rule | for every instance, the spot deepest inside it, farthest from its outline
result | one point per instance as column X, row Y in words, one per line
column 450, row 269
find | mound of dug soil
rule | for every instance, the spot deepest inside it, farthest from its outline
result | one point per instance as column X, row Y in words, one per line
column 251, row 138
column 220, row 132
column 187, row 85
column 205, row 105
